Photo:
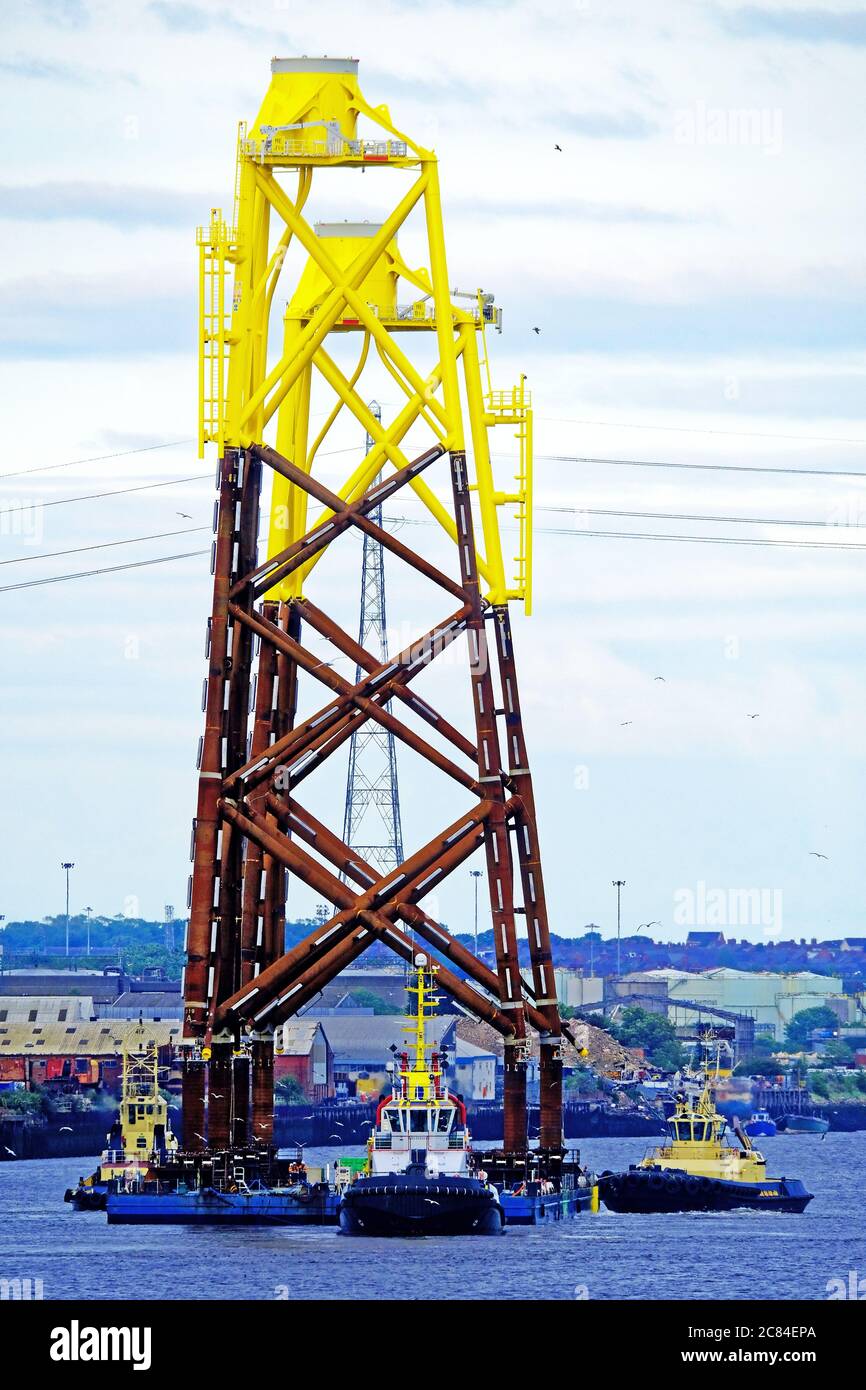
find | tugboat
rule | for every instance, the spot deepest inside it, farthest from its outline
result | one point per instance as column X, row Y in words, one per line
column 140, row 1138
column 761, row 1125
column 421, row 1177
column 696, row 1170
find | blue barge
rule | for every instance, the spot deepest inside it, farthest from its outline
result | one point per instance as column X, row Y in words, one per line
column 535, row 1208
column 315, row 1205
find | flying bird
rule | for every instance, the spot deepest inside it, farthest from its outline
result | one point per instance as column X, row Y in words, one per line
column 659, row 678
column 648, row 924
column 186, row 515
column 753, row 716
column 10, row 1151
column 817, row 855
column 536, row 330
column 214, row 1096
column 625, row 723
column 432, row 1201
column 335, row 1136
column 558, row 147
column 65, row 1129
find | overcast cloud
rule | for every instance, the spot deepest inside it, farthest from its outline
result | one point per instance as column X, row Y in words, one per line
column 693, row 257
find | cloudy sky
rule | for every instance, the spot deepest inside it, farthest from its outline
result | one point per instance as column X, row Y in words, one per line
column 693, row 257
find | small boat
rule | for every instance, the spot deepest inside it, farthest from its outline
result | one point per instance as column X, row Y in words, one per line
column 701, row 1168
column 140, row 1138
column 804, row 1124
column 421, row 1177
column 760, row 1126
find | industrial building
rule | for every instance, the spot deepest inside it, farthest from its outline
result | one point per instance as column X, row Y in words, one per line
column 474, row 1071
column 74, row 1055
column 46, row 1008
column 302, row 1050
column 579, row 991
column 770, row 999
column 362, row 1045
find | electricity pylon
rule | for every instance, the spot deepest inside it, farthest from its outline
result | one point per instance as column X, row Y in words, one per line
column 371, row 822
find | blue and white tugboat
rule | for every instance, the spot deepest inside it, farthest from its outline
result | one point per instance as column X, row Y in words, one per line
column 421, row 1177
column 761, row 1125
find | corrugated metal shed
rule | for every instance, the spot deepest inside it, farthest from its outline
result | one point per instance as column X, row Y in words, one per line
column 45, row 1008
column 101, row 1038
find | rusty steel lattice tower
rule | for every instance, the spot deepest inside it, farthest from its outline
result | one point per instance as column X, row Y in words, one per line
column 252, row 827
column 372, row 796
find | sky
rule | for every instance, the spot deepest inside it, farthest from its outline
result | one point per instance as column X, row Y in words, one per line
column 693, row 258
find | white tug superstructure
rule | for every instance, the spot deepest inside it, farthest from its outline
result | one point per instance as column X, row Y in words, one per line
column 420, row 1177
column 421, row 1122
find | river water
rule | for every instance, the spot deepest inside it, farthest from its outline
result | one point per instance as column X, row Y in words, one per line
column 732, row 1255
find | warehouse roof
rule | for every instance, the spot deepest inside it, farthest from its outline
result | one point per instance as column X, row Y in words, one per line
column 152, row 1003
column 369, row 1039
column 94, row 984
column 467, row 1051
column 45, row 1008
column 296, row 1037
column 99, row 1038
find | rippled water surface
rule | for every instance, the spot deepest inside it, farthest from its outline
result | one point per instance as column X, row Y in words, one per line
column 734, row 1255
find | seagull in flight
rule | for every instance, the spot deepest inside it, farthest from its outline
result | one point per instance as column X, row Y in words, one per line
column 536, row 330
column 648, row 924
column 817, row 855
column 659, row 678
column 558, row 147
column 625, row 723
column 753, row 716
column 186, row 515
column 65, row 1129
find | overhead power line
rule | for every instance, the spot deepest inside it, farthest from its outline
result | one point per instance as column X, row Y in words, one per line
column 417, row 521
column 703, row 540
column 110, row 569
column 708, row 467
column 660, row 535
column 97, row 458
column 697, row 429
column 690, row 516
column 114, row 492
column 102, row 545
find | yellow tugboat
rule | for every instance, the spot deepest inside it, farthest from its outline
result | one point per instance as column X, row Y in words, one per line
column 700, row 1167
column 140, row 1138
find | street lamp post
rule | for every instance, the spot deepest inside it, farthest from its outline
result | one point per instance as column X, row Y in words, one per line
column 67, row 865
column 619, row 884
column 476, row 874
